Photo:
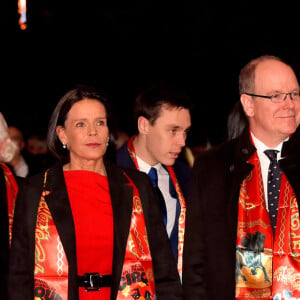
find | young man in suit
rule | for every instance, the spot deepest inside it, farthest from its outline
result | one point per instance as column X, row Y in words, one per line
column 162, row 114
column 242, row 230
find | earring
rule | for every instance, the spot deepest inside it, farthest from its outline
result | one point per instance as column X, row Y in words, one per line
column 64, row 145
column 107, row 142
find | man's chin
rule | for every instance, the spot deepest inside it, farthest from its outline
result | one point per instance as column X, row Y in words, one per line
column 169, row 162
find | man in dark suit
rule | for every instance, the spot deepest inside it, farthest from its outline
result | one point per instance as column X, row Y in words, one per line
column 162, row 114
column 242, row 232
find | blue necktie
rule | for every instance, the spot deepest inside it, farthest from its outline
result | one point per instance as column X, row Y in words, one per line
column 174, row 234
column 153, row 175
column 274, row 180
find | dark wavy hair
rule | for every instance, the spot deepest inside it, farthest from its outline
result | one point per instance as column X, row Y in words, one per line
column 150, row 100
column 61, row 111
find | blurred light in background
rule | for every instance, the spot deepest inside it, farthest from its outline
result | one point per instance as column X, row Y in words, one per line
column 22, row 14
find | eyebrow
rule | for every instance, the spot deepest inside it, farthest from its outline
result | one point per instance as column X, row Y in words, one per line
column 84, row 119
column 179, row 127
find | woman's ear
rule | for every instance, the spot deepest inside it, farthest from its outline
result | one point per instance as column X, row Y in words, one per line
column 60, row 131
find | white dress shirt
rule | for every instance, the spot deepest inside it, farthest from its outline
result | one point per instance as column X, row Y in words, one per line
column 163, row 184
column 265, row 161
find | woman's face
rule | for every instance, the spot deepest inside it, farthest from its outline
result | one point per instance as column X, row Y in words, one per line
column 85, row 131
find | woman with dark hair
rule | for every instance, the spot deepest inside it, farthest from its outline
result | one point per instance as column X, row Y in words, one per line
column 85, row 228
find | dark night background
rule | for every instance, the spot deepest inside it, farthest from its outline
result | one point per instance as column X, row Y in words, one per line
column 121, row 46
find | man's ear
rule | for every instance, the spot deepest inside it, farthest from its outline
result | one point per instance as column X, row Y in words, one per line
column 143, row 125
column 247, row 103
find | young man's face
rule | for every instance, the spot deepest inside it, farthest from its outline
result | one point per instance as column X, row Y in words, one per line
column 166, row 137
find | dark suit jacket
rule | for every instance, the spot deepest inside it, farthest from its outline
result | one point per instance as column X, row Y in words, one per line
column 183, row 174
column 22, row 252
column 182, row 170
column 4, row 234
column 211, row 225
column 4, row 238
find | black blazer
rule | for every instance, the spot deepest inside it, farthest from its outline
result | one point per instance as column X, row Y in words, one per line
column 211, row 224
column 22, row 252
column 4, row 234
column 4, row 237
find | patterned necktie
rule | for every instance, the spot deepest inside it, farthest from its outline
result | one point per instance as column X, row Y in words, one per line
column 153, row 175
column 274, row 180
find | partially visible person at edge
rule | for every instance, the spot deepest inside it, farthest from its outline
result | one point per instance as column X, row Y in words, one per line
column 36, row 153
column 8, row 193
column 233, row 249
column 18, row 163
column 163, row 119
column 85, row 228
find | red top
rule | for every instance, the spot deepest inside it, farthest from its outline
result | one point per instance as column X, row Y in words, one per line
column 92, row 212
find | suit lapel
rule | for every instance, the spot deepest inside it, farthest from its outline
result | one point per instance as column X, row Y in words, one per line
column 59, row 206
column 122, row 201
column 239, row 168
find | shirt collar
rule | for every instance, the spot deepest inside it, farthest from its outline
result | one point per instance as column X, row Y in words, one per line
column 261, row 147
column 145, row 167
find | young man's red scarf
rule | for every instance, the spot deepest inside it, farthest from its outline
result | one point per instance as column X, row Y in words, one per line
column 51, row 266
column 181, row 222
column 11, row 194
column 271, row 269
